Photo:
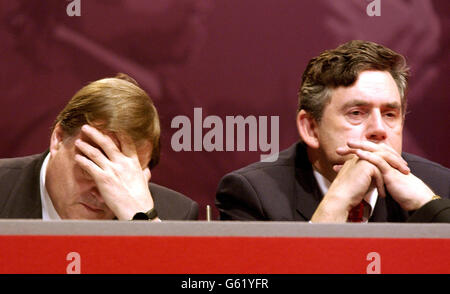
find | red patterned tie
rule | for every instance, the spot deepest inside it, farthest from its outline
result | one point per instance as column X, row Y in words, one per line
column 357, row 213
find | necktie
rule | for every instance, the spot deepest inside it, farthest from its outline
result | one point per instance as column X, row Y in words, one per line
column 360, row 213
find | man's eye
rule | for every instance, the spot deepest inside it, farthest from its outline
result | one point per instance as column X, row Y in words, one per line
column 355, row 113
column 85, row 174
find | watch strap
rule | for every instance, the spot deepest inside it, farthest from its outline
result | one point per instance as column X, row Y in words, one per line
column 149, row 215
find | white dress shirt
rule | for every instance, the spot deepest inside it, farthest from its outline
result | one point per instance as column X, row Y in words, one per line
column 48, row 210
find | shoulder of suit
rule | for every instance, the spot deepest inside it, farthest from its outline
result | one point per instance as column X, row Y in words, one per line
column 172, row 205
column 159, row 191
column 19, row 162
column 286, row 158
column 416, row 161
column 19, row 186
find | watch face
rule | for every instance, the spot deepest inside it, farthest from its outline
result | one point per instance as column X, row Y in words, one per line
column 140, row 216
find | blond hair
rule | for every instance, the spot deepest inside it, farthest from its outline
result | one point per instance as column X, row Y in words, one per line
column 114, row 104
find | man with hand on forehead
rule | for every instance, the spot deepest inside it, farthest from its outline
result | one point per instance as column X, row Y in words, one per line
column 102, row 147
column 349, row 165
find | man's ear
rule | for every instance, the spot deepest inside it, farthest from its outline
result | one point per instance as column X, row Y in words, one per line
column 307, row 129
column 56, row 139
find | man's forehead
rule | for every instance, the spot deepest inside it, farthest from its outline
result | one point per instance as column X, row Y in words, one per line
column 371, row 87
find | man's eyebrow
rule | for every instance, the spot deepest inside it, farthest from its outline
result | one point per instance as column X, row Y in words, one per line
column 392, row 105
column 357, row 102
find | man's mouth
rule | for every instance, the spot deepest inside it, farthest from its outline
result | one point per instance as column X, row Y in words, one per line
column 91, row 207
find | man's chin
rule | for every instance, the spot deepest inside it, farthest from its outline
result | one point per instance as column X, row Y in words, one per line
column 342, row 159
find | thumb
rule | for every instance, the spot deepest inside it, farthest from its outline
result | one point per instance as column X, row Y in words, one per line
column 147, row 174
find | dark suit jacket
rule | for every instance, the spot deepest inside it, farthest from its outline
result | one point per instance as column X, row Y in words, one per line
column 20, row 192
column 286, row 190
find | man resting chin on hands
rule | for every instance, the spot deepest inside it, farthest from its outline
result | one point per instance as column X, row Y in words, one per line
column 348, row 165
column 372, row 165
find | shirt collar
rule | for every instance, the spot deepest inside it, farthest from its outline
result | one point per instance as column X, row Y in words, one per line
column 48, row 210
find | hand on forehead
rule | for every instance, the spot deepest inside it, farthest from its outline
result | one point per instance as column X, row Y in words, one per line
column 108, row 140
column 112, row 135
column 113, row 143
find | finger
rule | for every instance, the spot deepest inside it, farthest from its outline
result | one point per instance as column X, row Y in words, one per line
column 375, row 159
column 105, row 142
column 88, row 166
column 391, row 160
column 345, row 150
column 127, row 145
column 93, row 154
column 370, row 146
column 366, row 145
column 379, row 183
column 395, row 160
column 347, row 164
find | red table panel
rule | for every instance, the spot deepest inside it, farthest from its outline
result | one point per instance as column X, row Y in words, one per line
column 58, row 254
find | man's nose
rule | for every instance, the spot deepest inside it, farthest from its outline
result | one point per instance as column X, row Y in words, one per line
column 376, row 129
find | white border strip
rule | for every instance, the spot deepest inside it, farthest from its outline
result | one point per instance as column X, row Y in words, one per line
column 222, row 228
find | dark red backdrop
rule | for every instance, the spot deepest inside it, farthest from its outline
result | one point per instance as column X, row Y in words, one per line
column 229, row 57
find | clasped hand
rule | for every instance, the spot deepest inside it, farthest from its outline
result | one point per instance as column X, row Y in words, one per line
column 404, row 187
column 372, row 165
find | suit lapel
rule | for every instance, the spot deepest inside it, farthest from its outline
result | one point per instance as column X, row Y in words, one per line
column 27, row 191
column 306, row 189
column 379, row 212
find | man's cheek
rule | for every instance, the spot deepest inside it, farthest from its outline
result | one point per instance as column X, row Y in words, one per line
column 398, row 142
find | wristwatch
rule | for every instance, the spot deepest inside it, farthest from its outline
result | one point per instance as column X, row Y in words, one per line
column 149, row 215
